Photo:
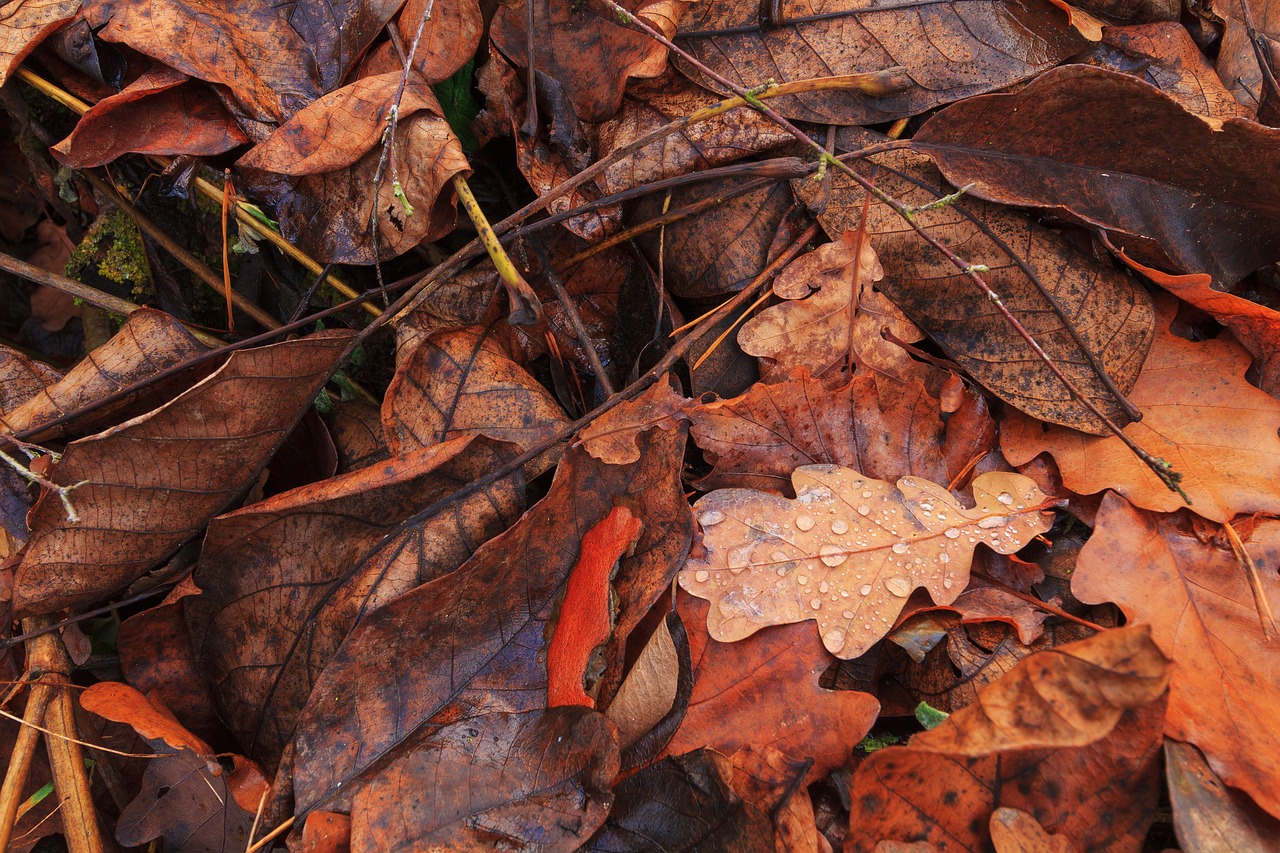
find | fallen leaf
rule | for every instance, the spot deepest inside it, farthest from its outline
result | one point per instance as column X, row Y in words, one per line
column 768, row 683
column 1204, row 212
column 848, row 551
column 651, row 691
column 1238, row 54
column 1111, row 312
column 770, row 784
column 157, row 658
column 587, row 54
column 338, row 32
column 614, row 436
column 1201, row 416
column 356, row 427
column 1207, row 815
column 585, row 622
column 944, row 785
column 532, row 781
column 21, row 378
column 683, row 802
column 1014, row 831
column 121, row 703
column 181, row 802
column 326, row 832
column 834, row 315
column 871, row 423
column 465, row 383
column 434, row 655
column 449, row 39
column 950, row 51
column 1205, row 616
column 285, row 580
column 153, row 482
column 26, row 24
column 162, row 112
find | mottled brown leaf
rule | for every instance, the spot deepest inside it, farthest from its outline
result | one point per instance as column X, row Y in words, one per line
column 614, row 436
column 473, row 641
column 155, row 481
column 1204, row 614
column 162, row 112
column 284, row 581
column 951, row 49
column 1198, row 200
column 1014, row 831
column 532, row 781
column 26, row 23
column 883, row 428
column 1208, row 815
column 21, row 378
column 849, row 550
column 449, row 38
column 183, row 803
column 1110, row 311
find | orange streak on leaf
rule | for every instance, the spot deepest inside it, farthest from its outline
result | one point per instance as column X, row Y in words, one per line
column 585, row 622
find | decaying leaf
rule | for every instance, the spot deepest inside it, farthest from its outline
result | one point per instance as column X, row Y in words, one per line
column 1209, row 816
column 849, row 550
column 24, row 24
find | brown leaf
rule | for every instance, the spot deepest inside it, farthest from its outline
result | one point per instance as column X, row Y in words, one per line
column 21, row 378
column 1207, row 815
column 181, row 802
column 449, row 39
column 1204, row 209
column 328, row 214
column 473, row 641
column 26, row 23
column 1112, row 313
column 1033, row 760
column 155, row 481
column 950, row 50
column 121, row 703
column 848, row 551
column 834, row 315
column 715, row 142
column 263, row 74
column 532, row 781
column 465, row 383
column 326, row 832
column 337, row 129
column 590, row 56
column 1201, row 416
column 614, row 437
column 149, row 341
column 157, row 658
column 651, row 689
column 284, row 581
column 356, row 427
column 162, row 112
column 337, row 33
column 769, row 783
column 1164, row 55
column 1238, row 54
column 768, row 683
column 880, row 427
column 1014, row 831
column 1204, row 615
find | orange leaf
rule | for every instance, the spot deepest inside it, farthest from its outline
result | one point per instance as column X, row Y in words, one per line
column 121, row 703
column 1200, row 415
column 585, row 622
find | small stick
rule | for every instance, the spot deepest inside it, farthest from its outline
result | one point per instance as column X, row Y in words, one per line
column 1266, row 618
column 525, row 308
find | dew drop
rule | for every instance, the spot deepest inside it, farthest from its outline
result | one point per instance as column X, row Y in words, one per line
column 927, row 507
column 804, row 522
column 1005, row 498
column 848, row 614
column 866, row 589
column 900, row 547
column 701, row 577
column 944, row 557
column 867, row 493
column 824, row 587
column 832, row 555
column 909, row 482
column 711, row 517
column 864, row 510
column 834, row 639
column 992, row 521
column 948, row 583
column 839, row 526
column 816, row 604
column 898, row 585
column 802, row 579
column 778, row 557
column 951, row 533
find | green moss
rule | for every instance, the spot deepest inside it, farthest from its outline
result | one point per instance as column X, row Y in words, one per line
column 112, row 248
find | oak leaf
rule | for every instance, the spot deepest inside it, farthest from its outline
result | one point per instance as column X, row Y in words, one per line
column 849, row 550
column 1201, row 416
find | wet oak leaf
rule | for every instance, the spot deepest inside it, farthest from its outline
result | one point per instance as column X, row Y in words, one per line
column 474, row 641
column 833, row 315
column 945, row 784
column 614, row 436
column 465, row 382
column 950, row 50
column 1204, row 616
column 1198, row 201
column 533, row 781
column 154, row 482
column 283, row 581
column 871, row 423
column 1111, row 312
column 24, row 24
column 767, row 684
column 849, row 550
column 162, row 112
column 1200, row 415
